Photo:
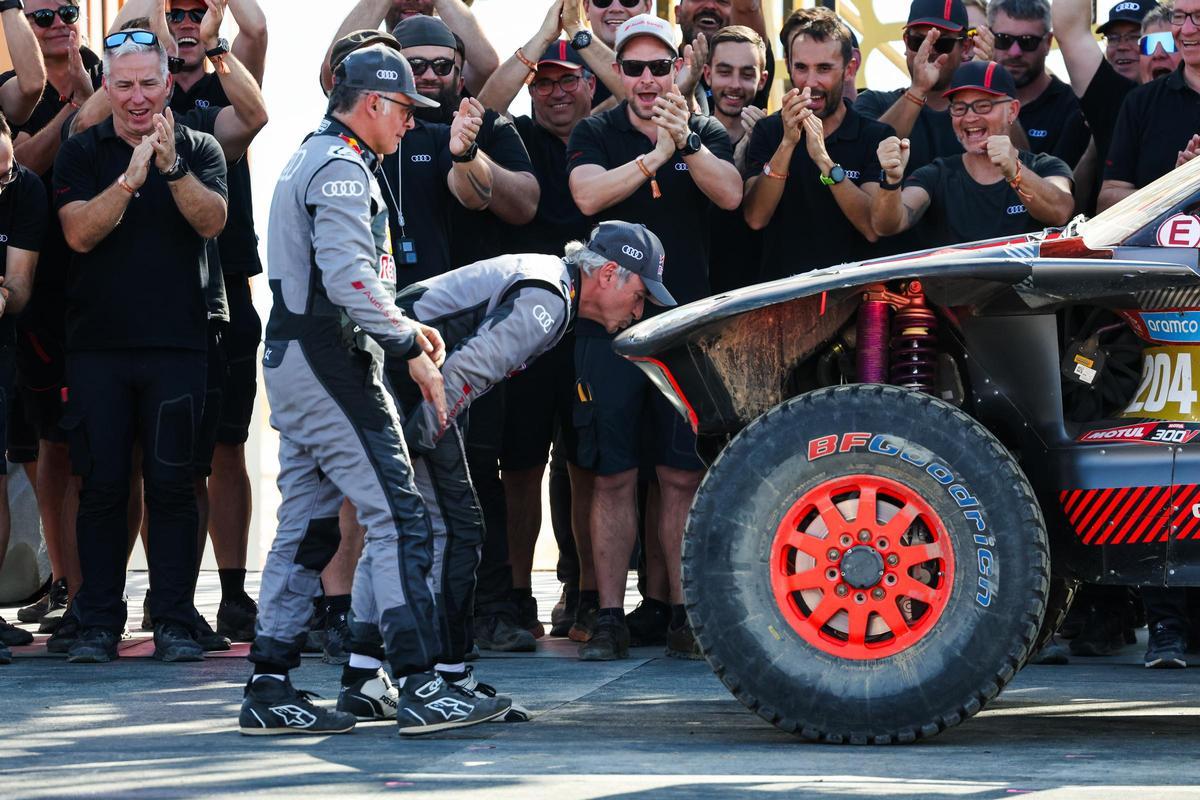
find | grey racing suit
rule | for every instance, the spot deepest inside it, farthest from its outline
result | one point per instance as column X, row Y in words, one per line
column 339, row 433
column 496, row 317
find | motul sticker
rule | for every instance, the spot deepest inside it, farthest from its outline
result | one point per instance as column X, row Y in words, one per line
column 1146, row 433
column 1166, row 391
column 1132, row 433
column 1181, row 230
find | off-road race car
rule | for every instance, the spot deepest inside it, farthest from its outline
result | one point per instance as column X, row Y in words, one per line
column 915, row 460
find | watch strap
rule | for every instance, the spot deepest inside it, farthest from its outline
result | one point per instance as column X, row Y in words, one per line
column 581, row 40
column 8, row 5
column 883, row 182
column 221, row 49
column 178, row 170
column 692, row 145
column 468, row 156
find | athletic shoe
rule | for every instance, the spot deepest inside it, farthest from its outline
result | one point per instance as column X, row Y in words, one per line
column 609, row 640
column 272, row 707
column 5, row 655
column 12, row 636
column 585, row 620
column 209, row 640
column 93, row 646
column 1100, row 636
column 681, row 643
column 648, row 623
column 1166, row 648
column 496, row 632
column 236, row 619
column 61, row 640
column 562, row 616
column 370, row 698
column 428, row 704
column 527, row 614
column 174, row 643
column 467, row 680
column 1053, row 653
column 336, row 649
column 34, row 613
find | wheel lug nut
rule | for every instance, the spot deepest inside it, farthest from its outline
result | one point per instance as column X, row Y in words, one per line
column 882, row 544
column 831, row 574
column 833, row 554
column 846, row 540
column 860, row 598
column 893, row 560
column 877, row 593
column 841, row 590
column 864, row 536
column 890, row 580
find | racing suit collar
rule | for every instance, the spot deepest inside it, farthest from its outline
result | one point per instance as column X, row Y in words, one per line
column 573, row 274
column 333, row 127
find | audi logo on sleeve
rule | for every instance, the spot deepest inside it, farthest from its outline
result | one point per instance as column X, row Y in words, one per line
column 422, row 158
column 343, row 189
column 632, row 252
column 387, row 75
column 543, row 317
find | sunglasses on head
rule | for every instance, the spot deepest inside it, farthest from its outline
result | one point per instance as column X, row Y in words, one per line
column 115, row 40
column 440, row 66
column 1028, row 42
column 176, row 15
column 1152, row 41
column 44, row 17
column 607, row 3
column 944, row 44
column 658, row 67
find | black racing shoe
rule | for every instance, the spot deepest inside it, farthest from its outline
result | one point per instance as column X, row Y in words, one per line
column 64, row 636
column 174, row 643
column 428, row 704
column 93, row 646
column 467, row 680
column 648, row 623
column 1166, row 648
column 497, row 632
column 562, row 616
column 236, row 619
column 527, row 614
column 681, row 643
column 209, row 640
column 370, row 698
column 12, row 636
column 336, row 649
column 272, row 707
column 609, row 640
column 5, row 655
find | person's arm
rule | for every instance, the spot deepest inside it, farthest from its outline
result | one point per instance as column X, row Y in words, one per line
column 203, row 208
column 18, row 97
column 598, row 56
column 750, row 14
column 37, row 152
column 26, row 236
column 716, row 177
column 1047, row 199
column 366, row 15
column 87, row 222
column 470, row 182
column 515, row 195
column 854, row 203
column 902, row 116
column 506, row 82
column 238, row 123
column 250, row 46
column 1113, row 192
column 896, row 210
column 751, row 116
column 595, row 188
column 153, row 10
column 17, row 281
column 1085, row 175
column 480, row 59
column 762, row 193
column 1072, row 25
column 1124, row 152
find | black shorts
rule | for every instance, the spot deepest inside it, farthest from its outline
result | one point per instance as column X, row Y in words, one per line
column 538, row 408
column 22, row 436
column 239, row 345
column 8, row 380
column 214, row 400
column 41, row 375
column 621, row 421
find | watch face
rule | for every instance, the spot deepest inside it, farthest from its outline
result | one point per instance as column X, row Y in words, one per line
column 837, row 173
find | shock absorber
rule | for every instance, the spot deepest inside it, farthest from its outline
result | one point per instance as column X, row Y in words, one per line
column 871, row 351
column 914, row 349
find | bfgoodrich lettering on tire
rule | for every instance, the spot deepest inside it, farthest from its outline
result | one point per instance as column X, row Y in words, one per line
column 865, row 564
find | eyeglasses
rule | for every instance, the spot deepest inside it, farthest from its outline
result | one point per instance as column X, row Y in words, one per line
column 1028, row 42
column 176, row 15
column 980, row 107
column 1179, row 17
column 658, row 67
column 1113, row 39
column 44, row 17
column 944, row 44
column 607, row 3
column 115, row 40
column 440, row 66
column 1152, row 41
column 7, row 178
column 544, row 87
column 407, row 107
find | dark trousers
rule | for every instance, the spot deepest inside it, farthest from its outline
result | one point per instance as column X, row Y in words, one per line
column 117, row 397
column 483, row 435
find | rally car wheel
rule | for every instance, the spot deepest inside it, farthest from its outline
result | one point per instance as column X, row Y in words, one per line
column 865, row 564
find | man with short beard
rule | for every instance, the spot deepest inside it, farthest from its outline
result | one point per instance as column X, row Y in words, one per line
column 813, row 189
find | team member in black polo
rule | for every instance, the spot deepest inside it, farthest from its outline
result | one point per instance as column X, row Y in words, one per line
column 646, row 160
column 22, row 228
column 704, row 18
column 806, row 162
column 137, row 196
column 992, row 189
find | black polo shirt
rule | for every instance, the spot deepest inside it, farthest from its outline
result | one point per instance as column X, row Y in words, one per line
column 238, row 243
column 144, row 284
column 1101, row 105
column 932, row 134
column 962, row 210
column 809, row 230
column 204, row 119
column 23, row 222
column 423, row 164
column 1054, row 123
column 1157, row 120
column 679, row 217
column 558, row 219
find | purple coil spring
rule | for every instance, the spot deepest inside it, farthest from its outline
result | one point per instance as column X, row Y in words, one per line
column 871, row 353
column 914, row 348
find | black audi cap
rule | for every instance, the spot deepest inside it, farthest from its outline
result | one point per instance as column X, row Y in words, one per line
column 379, row 68
column 421, row 30
column 637, row 249
column 986, row 76
column 1128, row 11
column 948, row 15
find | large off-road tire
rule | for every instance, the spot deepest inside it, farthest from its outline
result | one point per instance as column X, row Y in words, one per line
column 843, row 625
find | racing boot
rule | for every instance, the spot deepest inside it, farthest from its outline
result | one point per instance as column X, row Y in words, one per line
column 467, row 680
column 272, row 706
column 368, row 695
column 428, row 704
column 336, row 649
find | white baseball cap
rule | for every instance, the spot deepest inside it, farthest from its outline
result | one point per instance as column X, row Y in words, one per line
column 646, row 25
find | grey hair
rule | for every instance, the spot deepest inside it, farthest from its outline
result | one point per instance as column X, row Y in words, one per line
column 343, row 99
column 589, row 261
column 130, row 47
column 1021, row 9
column 1159, row 15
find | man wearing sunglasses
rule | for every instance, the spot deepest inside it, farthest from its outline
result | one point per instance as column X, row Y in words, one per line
column 19, row 97
column 991, row 189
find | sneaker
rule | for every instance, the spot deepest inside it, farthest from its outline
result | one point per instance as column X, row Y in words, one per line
column 5, row 655
column 336, row 649
column 12, row 636
column 370, row 698
column 209, row 640
column 174, row 643
column 609, row 640
column 93, row 646
column 562, row 616
column 527, row 614
column 1166, row 648
column 272, row 706
column 61, row 640
column 236, row 619
column 648, row 623
column 681, row 643
column 1053, row 653
column 585, row 621
column 428, row 704
column 467, row 680
column 33, row 613
column 1101, row 635
column 496, row 632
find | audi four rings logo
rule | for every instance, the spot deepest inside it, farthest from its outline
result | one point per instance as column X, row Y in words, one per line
column 387, row 75
column 343, row 189
column 632, row 252
column 1125, row 7
column 543, row 317
column 422, row 158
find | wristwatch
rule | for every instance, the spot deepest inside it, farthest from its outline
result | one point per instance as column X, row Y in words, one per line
column 178, row 170
column 8, row 5
column 221, row 49
column 692, row 145
column 883, row 182
column 581, row 40
column 836, row 175
column 468, row 156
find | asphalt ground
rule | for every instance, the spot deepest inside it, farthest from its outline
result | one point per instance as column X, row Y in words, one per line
column 646, row 727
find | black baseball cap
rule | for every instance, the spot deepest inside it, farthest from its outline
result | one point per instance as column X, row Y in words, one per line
column 379, row 68
column 948, row 15
column 562, row 54
column 985, row 76
column 421, row 30
column 356, row 40
column 1128, row 11
column 637, row 249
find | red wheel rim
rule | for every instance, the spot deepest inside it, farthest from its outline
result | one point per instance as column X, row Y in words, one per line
column 861, row 567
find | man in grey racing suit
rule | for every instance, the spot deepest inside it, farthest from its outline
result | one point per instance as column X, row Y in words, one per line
column 332, row 320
